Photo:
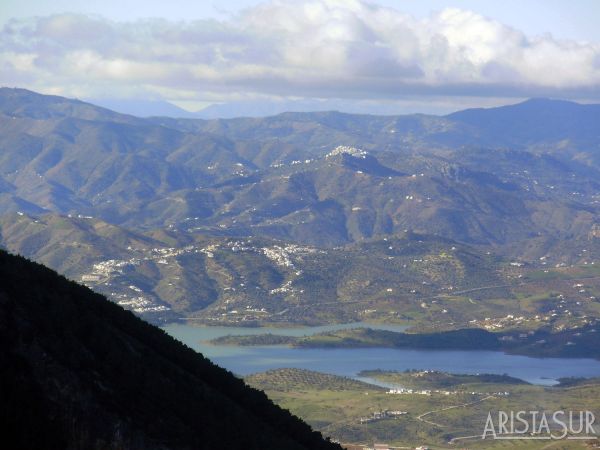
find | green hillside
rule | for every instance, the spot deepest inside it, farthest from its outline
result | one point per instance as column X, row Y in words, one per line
column 437, row 410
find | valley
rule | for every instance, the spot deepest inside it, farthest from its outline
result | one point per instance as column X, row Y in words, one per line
column 430, row 408
column 471, row 240
column 300, row 225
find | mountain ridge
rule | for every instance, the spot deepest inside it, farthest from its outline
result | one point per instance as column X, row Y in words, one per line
column 152, row 173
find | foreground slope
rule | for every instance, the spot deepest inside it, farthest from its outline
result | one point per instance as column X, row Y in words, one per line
column 84, row 373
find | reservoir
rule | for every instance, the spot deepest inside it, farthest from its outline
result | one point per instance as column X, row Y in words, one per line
column 350, row 361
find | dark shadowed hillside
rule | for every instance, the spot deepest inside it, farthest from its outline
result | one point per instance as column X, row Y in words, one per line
column 79, row 372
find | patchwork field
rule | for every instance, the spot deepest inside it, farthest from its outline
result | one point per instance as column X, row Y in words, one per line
column 436, row 410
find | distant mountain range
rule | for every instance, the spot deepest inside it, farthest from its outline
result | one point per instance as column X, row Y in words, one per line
column 245, row 108
column 144, row 108
column 517, row 181
column 275, row 176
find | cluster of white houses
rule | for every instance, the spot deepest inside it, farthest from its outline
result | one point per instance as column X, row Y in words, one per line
column 381, row 415
column 442, row 392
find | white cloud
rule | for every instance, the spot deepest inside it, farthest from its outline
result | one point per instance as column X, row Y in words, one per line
column 308, row 48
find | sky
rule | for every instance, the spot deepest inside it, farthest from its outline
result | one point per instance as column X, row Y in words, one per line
column 391, row 56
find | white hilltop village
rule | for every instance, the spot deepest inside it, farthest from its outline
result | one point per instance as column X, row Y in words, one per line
column 132, row 297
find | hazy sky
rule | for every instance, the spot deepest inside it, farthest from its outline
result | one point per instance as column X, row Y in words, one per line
column 425, row 54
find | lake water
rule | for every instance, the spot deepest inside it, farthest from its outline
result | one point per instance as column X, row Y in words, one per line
column 348, row 362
